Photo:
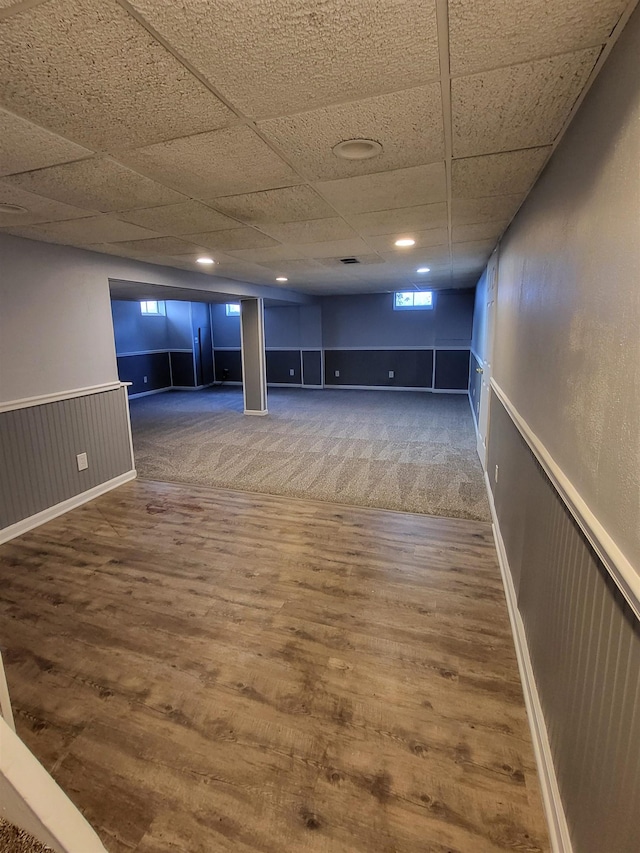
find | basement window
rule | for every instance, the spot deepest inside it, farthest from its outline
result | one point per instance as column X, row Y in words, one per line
column 153, row 308
column 233, row 309
column 413, row 300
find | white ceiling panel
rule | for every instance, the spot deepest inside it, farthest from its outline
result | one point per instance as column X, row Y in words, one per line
column 499, row 208
column 385, row 190
column 37, row 208
column 180, row 218
column 395, row 221
column 266, row 254
column 288, row 204
column 235, row 238
column 479, row 231
column 161, row 246
column 25, row 146
column 335, row 248
column 208, row 165
column 497, row 33
column 497, row 174
column 279, row 57
column 407, row 124
column 91, row 229
column 99, row 184
column 311, row 231
column 524, row 106
column 79, row 67
column 386, row 242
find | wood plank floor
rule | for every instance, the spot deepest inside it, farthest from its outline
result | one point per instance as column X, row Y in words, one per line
column 206, row 670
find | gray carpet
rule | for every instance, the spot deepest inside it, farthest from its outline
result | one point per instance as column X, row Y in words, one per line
column 14, row 840
column 401, row 450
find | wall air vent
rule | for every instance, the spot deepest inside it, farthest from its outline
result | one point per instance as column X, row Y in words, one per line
column 349, row 261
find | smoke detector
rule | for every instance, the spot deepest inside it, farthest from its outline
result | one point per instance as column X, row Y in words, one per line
column 357, row 149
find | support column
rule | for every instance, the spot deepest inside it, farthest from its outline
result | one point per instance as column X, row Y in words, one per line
column 254, row 371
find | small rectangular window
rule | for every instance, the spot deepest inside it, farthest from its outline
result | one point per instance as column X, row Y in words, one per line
column 233, row 309
column 413, row 300
column 153, row 307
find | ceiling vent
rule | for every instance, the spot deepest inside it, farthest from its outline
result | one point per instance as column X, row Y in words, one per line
column 349, row 261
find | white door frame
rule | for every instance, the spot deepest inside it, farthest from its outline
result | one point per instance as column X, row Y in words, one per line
column 486, row 363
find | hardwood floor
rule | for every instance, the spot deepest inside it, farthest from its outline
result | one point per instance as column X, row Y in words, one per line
column 206, row 670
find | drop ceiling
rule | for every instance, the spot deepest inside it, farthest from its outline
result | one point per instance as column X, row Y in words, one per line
column 162, row 130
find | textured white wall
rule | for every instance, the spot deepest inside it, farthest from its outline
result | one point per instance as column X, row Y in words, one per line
column 568, row 323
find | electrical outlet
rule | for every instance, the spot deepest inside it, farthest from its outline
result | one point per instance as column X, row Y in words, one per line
column 392, row 374
column 145, row 379
column 292, row 372
column 495, row 476
column 83, row 462
column 337, row 374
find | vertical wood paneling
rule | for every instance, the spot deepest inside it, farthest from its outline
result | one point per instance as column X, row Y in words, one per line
column 584, row 643
column 39, row 444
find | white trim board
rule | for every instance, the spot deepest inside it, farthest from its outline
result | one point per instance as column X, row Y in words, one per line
column 617, row 565
column 377, row 388
column 43, row 399
column 52, row 512
column 552, row 802
column 150, row 352
column 149, row 393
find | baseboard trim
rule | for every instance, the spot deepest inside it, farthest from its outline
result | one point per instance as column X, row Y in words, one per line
column 52, row 512
column 450, row 390
column 375, row 388
column 552, row 802
column 149, row 393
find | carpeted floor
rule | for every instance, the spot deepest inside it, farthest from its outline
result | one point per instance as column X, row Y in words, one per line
column 14, row 840
column 398, row 450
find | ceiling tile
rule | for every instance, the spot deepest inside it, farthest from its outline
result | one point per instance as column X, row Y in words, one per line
column 420, row 217
column 38, row 209
column 432, row 237
column 384, row 190
column 407, row 124
column 25, row 146
column 192, row 164
column 180, row 218
column 363, row 261
column 335, row 248
column 297, row 54
column 293, row 266
column 410, row 259
column 505, row 32
column 497, row 174
column 312, row 231
column 91, row 229
column 79, row 67
column 99, row 184
column 235, row 238
column 268, row 253
column 479, row 231
column 160, row 246
column 288, row 204
column 469, row 211
column 518, row 107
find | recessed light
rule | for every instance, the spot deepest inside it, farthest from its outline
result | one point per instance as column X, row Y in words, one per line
column 405, row 241
column 205, row 261
column 282, row 278
column 423, row 269
column 357, row 149
column 12, row 208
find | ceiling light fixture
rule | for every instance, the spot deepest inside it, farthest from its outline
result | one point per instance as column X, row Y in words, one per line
column 423, row 269
column 405, row 241
column 282, row 278
column 357, row 149
column 12, row 208
column 205, row 261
